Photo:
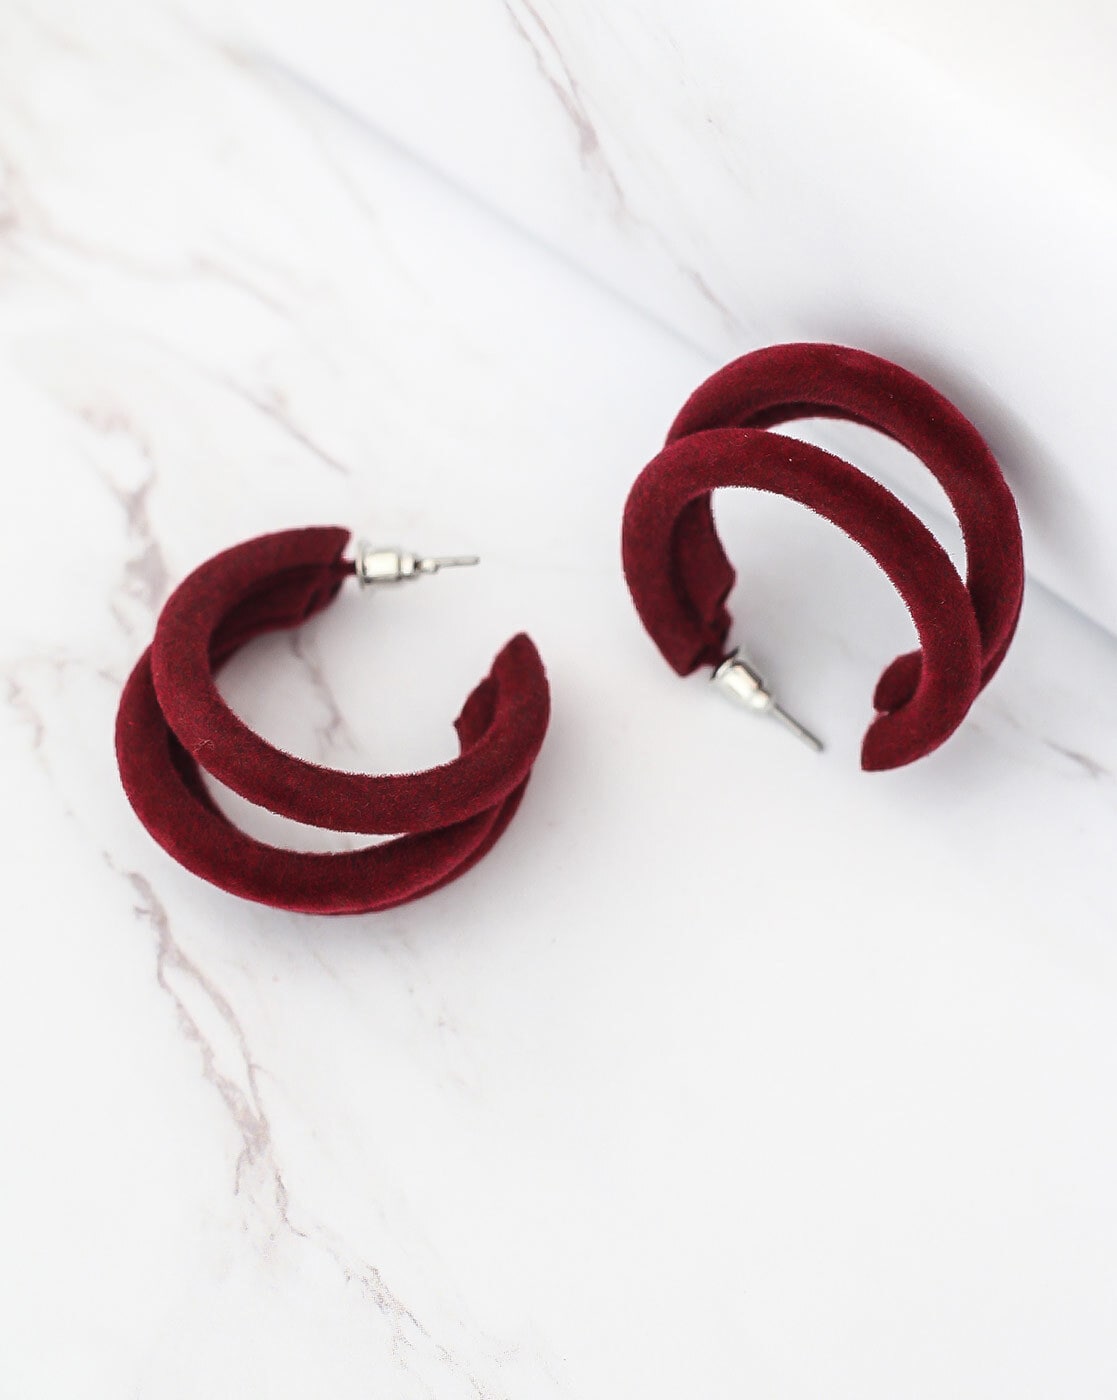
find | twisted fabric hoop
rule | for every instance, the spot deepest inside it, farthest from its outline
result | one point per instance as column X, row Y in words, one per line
column 172, row 721
column 680, row 577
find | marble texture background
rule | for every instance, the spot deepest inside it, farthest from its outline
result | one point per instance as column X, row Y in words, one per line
column 730, row 1070
column 935, row 182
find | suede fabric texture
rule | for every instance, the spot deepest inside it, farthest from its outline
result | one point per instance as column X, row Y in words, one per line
column 680, row 577
column 172, row 721
column 236, row 594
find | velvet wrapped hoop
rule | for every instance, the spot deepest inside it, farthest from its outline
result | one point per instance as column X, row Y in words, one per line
column 680, row 577
column 172, row 721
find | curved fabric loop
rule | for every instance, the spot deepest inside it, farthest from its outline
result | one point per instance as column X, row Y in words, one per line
column 500, row 729
column 274, row 581
column 785, row 382
column 679, row 576
column 166, row 791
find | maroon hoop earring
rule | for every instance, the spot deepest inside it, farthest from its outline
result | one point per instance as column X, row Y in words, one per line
column 172, row 722
column 680, row 577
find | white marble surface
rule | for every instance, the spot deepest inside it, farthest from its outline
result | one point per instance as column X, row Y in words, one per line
column 730, row 1070
column 932, row 181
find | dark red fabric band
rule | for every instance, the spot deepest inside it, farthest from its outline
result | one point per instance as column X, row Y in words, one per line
column 680, row 577
column 298, row 572
column 172, row 719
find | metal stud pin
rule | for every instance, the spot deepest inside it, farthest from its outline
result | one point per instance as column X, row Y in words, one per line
column 378, row 565
column 742, row 684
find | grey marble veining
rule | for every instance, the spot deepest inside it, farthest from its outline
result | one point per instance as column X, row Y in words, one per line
column 729, row 1068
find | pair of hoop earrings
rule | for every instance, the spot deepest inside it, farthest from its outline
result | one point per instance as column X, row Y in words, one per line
column 173, row 723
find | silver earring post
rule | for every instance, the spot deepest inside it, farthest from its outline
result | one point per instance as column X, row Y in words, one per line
column 737, row 680
column 377, row 565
